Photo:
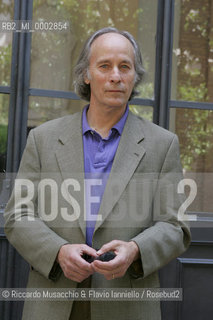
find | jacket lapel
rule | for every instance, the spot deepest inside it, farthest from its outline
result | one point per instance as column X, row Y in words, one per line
column 129, row 153
column 69, row 154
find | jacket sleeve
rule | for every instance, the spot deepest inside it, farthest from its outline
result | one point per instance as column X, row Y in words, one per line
column 168, row 237
column 33, row 239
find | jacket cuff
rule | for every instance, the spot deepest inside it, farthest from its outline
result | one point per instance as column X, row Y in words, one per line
column 55, row 272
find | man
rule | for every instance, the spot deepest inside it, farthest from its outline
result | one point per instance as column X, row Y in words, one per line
column 127, row 168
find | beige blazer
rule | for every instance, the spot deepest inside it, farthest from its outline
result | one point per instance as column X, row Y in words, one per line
column 140, row 202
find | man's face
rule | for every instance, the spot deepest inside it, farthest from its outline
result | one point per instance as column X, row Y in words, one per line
column 111, row 71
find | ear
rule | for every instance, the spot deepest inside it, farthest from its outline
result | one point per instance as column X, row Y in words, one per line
column 86, row 77
column 86, row 80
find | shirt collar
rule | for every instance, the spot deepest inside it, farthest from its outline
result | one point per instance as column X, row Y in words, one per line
column 85, row 125
column 118, row 126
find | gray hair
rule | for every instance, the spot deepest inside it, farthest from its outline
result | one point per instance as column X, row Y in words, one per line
column 81, row 68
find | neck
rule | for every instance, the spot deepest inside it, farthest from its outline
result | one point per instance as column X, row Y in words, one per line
column 102, row 120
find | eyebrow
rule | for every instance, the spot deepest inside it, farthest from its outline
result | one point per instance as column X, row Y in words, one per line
column 108, row 61
column 103, row 61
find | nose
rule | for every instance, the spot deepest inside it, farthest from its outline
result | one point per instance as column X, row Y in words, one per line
column 115, row 75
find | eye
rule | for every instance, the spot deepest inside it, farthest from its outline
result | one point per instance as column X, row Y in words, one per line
column 104, row 66
column 125, row 66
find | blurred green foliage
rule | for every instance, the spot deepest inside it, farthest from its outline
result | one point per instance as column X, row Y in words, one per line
column 193, row 126
column 3, row 141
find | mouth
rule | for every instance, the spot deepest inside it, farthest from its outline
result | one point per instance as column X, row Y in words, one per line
column 115, row 91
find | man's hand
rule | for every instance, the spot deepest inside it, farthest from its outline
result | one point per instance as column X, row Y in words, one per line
column 126, row 253
column 73, row 265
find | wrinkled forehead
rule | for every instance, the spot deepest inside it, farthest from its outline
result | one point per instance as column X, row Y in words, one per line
column 112, row 42
column 110, row 36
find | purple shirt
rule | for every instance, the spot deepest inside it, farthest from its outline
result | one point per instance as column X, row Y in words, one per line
column 99, row 154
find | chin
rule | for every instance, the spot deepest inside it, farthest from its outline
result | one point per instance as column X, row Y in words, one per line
column 117, row 103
